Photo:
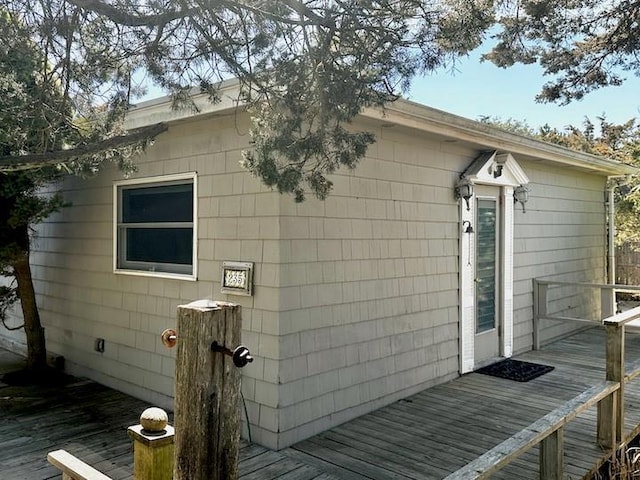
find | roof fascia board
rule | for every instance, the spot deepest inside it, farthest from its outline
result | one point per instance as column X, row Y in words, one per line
column 400, row 112
column 160, row 109
column 427, row 119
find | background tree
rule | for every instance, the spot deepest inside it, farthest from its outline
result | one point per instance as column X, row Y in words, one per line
column 582, row 45
column 306, row 67
column 619, row 142
column 44, row 134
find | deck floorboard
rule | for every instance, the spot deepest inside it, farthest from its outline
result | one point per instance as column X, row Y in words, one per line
column 425, row 436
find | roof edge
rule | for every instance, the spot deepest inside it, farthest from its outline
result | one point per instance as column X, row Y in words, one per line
column 422, row 117
column 401, row 112
column 161, row 110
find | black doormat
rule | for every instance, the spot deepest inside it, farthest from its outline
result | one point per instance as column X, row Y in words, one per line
column 515, row 370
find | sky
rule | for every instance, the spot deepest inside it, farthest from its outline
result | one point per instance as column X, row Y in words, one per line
column 478, row 89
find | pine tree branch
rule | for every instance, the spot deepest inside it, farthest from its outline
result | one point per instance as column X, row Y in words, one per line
column 305, row 11
column 15, row 162
column 130, row 19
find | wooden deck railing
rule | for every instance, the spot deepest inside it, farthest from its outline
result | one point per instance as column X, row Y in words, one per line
column 152, row 452
column 608, row 395
column 548, row 432
column 201, row 449
column 73, row 468
column 541, row 289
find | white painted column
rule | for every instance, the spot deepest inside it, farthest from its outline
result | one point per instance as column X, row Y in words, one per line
column 507, row 272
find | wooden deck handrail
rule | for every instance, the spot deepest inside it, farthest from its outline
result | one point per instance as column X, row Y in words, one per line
column 623, row 318
column 612, row 286
column 73, row 468
column 611, row 432
column 570, row 319
column 607, row 308
column 507, row 451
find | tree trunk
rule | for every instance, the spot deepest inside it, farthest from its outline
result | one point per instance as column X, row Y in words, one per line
column 36, row 348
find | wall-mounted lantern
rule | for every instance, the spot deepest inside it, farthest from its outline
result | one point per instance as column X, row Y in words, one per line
column 521, row 195
column 464, row 189
column 498, row 165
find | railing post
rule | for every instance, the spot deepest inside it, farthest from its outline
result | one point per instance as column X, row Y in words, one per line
column 606, row 421
column 552, row 456
column 611, row 409
column 540, row 291
column 152, row 446
column 607, row 302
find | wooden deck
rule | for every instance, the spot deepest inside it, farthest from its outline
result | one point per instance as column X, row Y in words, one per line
column 426, row 436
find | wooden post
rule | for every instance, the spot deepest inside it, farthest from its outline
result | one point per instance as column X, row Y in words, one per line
column 152, row 446
column 207, row 384
column 611, row 409
column 552, row 456
column 607, row 302
column 615, row 372
column 607, row 421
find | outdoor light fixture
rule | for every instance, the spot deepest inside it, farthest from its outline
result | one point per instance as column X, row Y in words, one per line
column 498, row 165
column 464, row 189
column 521, row 195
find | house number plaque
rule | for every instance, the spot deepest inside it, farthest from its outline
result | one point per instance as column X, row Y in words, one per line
column 237, row 278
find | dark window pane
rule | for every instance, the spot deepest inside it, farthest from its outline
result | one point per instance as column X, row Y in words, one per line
column 165, row 203
column 486, row 266
column 160, row 245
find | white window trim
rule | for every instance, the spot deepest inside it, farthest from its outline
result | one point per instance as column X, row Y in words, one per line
column 193, row 176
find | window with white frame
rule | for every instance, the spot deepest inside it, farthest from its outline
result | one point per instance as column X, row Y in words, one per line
column 155, row 226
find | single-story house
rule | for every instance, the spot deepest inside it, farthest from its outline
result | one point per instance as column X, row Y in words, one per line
column 418, row 267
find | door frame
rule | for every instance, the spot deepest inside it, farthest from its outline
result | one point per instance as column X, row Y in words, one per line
column 499, row 170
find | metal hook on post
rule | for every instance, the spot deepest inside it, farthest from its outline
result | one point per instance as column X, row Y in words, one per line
column 169, row 338
column 240, row 355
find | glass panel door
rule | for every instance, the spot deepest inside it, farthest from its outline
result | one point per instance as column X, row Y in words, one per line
column 486, row 265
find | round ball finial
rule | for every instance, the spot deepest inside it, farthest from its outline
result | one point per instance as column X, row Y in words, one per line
column 154, row 419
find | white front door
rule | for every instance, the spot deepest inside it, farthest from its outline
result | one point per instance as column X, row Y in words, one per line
column 486, row 259
column 487, row 275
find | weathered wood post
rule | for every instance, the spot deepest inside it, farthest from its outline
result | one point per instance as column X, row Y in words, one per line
column 207, row 391
column 152, row 446
column 552, row 456
column 607, row 302
column 611, row 408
